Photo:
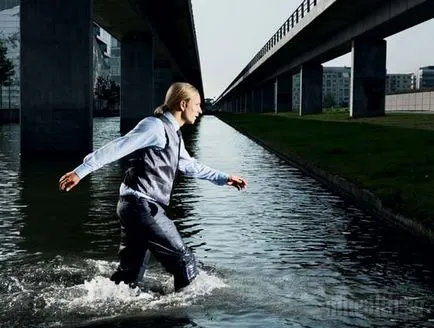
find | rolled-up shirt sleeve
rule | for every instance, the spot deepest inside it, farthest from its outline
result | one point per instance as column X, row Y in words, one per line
column 190, row 167
column 148, row 132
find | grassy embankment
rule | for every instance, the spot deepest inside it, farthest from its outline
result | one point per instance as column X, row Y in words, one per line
column 392, row 156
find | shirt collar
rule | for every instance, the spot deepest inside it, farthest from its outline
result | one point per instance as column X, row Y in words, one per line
column 172, row 120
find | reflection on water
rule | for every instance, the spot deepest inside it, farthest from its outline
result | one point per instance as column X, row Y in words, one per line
column 285, row 252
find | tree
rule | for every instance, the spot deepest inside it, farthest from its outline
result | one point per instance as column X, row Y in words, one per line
column 7, row 69
column 108, row 93
column 208, row 104
column 329, row 100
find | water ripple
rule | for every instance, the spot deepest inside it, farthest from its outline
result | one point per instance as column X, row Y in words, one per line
column 284, row 252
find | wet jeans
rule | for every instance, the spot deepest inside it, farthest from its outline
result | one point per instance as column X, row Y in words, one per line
column 144, row 225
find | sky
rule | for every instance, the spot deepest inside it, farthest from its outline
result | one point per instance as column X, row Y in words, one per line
column 230, row 32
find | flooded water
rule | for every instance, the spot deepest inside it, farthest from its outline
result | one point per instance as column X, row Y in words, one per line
column 284, row 253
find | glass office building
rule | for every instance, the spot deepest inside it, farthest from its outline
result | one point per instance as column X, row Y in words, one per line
column 115, row 61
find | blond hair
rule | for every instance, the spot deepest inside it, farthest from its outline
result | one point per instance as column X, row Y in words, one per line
column 176, row 93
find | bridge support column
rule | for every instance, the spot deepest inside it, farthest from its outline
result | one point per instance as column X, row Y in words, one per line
column 248, row 101
column 239, row 104
column 256, row 100
column 56, row 78
column 137, row 79
column 163, row 78
column 243, row 103
column 368, row 76
column 311, row 88
column 267, row 103
column 283, row 102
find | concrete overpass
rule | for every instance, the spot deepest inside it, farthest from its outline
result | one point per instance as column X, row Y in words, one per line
column 318, row 31
column 158, row 47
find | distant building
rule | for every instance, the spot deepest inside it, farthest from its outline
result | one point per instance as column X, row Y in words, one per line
column 335, row 87
column 337, row 83
column 398, row 82
column 413, row 81
column 425, row 77
column 101, row 53
column 115, row 61
column 103, row 39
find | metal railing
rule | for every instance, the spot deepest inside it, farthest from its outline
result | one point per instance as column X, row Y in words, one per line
column 301, row 11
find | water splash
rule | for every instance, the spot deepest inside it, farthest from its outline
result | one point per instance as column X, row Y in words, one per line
column 58, row 301
column 100, row 296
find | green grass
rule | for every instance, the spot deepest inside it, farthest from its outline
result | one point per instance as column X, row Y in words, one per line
column 411, row 121
column 392, row 156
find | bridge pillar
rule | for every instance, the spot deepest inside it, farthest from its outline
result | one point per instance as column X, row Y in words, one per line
column 310, row 88
column 243, row 103
column 137, row 79
column 256, row 100
column 163, row 78
column 56, row 77
column 284, row 93
column 239, row 104
column 368, row 76
column 267, row 103
column 248, row 101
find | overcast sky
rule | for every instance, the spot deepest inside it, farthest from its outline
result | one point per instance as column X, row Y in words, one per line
column 231, row 32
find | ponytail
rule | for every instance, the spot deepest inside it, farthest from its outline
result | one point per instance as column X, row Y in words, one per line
column 160, row 110
column 176, row 93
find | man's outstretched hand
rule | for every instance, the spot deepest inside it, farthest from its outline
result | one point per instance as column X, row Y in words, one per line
column 237, row 182
column 68, row 181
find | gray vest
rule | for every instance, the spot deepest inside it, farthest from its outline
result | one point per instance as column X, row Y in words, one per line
column 152, row 171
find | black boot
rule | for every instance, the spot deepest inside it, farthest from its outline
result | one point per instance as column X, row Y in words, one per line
column 123, row 275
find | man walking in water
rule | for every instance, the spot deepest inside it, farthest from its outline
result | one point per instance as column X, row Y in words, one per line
column 158, row 153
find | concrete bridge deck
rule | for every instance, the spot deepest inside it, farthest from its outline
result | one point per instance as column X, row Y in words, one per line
column 158, row 47
column 318, row 31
